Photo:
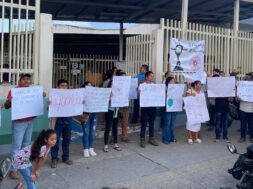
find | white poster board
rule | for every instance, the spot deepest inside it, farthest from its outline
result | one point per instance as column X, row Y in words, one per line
column 221, row 86
column 196, row 109
column 26, row 102
column 133, row 89
column 96, row 99
column 120, row 91
column 200, row 75
column 152, row 95
column 174, row 102
column 186, row 56
column 66, row 102
column 245, row 90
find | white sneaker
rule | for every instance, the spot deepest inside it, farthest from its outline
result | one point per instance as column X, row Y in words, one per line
column 86, row 153
column 190, row 141
column 92, row 152
column 198, row 141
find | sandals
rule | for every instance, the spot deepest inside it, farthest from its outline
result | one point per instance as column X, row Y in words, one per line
column 106, row 149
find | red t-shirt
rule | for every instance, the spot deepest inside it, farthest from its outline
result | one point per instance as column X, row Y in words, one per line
column 24, row 119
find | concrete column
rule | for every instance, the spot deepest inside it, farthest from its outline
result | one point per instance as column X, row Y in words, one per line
column 121, row 41
column 46, row 52
column 184, row 17
column 236, row 16
column 157, row 59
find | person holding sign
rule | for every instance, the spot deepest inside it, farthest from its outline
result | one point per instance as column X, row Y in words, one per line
column 246, row 116
column 88, row 122
column 193, row 129
column 111, row 121
column 22, row 129
column 141, row 79
column 148, row 115
column 62, row 127
column 169, row 119
column 221, row 116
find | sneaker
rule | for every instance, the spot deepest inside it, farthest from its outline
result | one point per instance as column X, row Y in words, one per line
column 241, row 140
column 68, row 162
column 92, row 152
column 125, row 140
column 142, row 143
column 226, row 140
column 152, row 141
column 190, row 141
column 54, row 163
column 217, row 140
column 14, row 175
column 86, row 153
column 199, row 141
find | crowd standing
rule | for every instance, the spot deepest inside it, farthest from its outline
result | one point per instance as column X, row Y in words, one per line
column 24, row 154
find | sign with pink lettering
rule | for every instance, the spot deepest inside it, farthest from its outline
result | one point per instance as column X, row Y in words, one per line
column 66, row 102
column 196, row 109
column 27, row 102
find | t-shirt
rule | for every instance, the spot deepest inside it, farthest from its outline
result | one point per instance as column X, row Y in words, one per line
column 140, row 76
column 222, row 105
column 23, row 119
column 21, row 158
column 246, row 106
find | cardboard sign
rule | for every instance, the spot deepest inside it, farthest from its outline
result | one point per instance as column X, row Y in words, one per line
column 174, row 101
column 221, row 86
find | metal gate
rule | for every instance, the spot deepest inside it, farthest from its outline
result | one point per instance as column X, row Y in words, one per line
column 19, row 40
column 77, row 69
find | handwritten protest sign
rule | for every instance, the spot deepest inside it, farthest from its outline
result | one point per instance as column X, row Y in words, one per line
column 65, row 102
column 152, row 95
column 221, row 86
column 96, row 99
column 200, row 75
column 245, row 90
column 196, row 109
column 174, row 101
column 120, row 91
column 186, row 56
column 133, row 88
column 27, row 102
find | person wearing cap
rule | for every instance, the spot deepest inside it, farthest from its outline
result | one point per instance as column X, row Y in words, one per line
column 22, row 129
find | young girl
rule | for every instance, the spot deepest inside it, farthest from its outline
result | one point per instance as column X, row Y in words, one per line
column 169, row 119
column 88, row 122
column 22, row 160
column 193, row 130
column 111, row 121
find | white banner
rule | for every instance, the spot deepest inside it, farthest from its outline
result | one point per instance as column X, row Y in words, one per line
column 120, row 91
column 96, row 99
column 175, row 97
column 26, row 102
column 200, row 75
column 186, row 56
column 152, row 95
column 221, row 86
column 245, row 90
column 196, row 109
column 66, row 102
column 133, row 89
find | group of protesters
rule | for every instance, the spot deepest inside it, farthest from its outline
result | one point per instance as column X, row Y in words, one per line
column 49, row 140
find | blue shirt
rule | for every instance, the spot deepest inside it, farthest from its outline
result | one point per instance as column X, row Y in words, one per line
column 140, row 76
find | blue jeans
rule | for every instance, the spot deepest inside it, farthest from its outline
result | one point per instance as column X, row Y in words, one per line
column 26, row 173
column 221, row 125
column 246, row 120
column 169, row 120
column 62, row 128
column 21, row 135
column 89, row 129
